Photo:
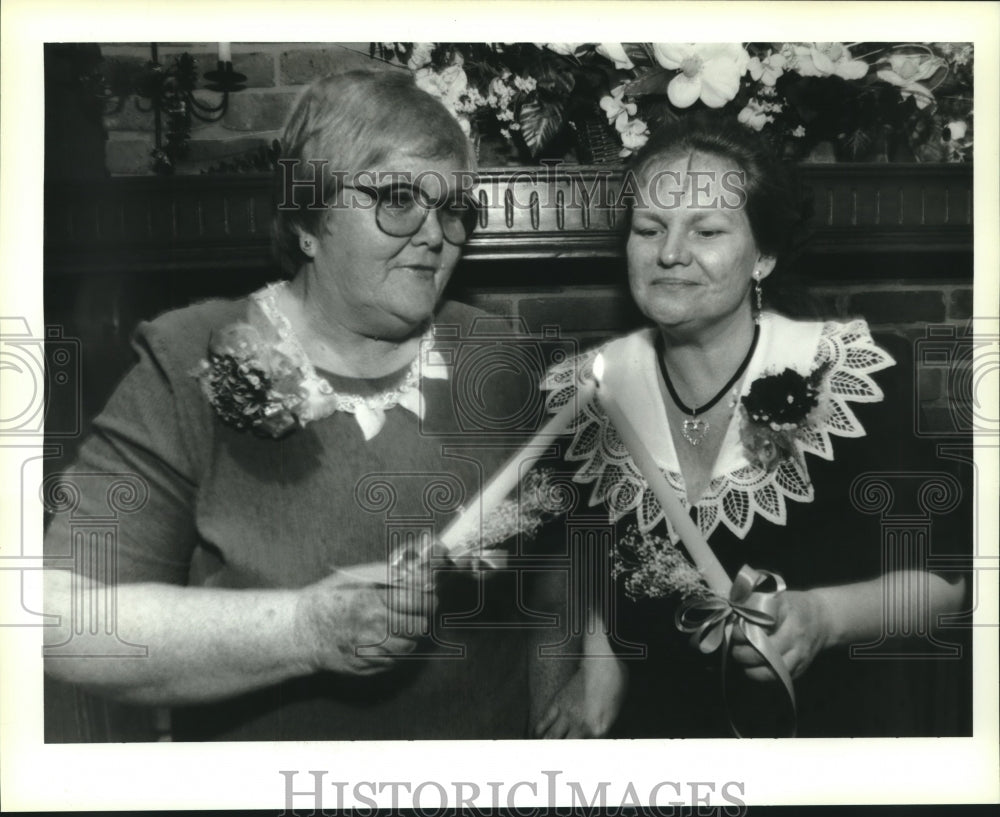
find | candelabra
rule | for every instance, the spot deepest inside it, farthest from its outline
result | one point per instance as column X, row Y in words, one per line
column 170, row 94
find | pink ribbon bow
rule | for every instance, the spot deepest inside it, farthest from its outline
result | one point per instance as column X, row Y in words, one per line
column 751, row 607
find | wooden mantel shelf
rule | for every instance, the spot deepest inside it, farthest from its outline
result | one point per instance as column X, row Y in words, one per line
column 223, row 222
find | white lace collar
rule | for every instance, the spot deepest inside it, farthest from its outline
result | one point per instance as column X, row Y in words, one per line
column 321, row 400
column 738, row 490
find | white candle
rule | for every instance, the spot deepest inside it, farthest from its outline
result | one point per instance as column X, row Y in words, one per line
column 466, row 525
column 225, row 52
column 695, row 544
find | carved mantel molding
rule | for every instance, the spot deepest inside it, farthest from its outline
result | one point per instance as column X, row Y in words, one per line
column 223, row 222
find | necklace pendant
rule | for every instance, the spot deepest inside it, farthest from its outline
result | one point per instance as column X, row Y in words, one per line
column 694, row 430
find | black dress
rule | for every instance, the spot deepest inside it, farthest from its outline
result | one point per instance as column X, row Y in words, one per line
column 884, row 501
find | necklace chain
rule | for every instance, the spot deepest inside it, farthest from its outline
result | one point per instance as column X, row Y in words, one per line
column 695, row 429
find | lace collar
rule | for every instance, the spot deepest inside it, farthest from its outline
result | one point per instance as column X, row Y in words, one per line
column 319, row 397
column 738, row 489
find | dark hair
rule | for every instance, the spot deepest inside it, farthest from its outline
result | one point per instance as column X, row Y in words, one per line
column 354, row 121
column 774, row 215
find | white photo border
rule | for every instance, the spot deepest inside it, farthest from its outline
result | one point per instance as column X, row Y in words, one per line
column 35, row 775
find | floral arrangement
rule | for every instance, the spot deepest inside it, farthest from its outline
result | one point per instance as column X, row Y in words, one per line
column 251, row 384
column 653, row 567
column 821, row 101
column 775, row 410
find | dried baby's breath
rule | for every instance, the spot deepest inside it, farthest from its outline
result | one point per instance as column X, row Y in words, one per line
column 654, row 568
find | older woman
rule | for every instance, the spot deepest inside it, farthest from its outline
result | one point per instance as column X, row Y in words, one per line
column 765, row 429
column 291, row 449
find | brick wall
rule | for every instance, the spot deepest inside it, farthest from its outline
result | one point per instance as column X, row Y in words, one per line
column 591, row 314
column 276, row 73
column 906, row 308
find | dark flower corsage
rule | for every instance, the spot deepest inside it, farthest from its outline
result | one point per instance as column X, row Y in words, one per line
column 776, row 409
column 250, row 384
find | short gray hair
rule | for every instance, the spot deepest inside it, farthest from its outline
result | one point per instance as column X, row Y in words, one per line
column 354, row 121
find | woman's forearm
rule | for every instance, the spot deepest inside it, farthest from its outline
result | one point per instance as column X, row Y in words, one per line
column 859, row 613
column 203, row 643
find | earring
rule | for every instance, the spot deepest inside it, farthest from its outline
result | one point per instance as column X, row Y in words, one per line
column 758, row 292
column 307, row 245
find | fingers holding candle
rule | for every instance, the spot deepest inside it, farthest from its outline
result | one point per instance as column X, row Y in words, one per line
column 800, row 632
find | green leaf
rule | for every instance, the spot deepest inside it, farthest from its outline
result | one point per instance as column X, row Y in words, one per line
column 656, row 110
column 555, row 75
column 654, row 82
column 638, row 53
column 540, row 122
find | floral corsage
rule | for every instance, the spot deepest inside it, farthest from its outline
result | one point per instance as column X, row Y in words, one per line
column 776, row 410
column 251, row 384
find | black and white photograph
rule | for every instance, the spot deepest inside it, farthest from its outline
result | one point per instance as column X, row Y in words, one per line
column 452, row 424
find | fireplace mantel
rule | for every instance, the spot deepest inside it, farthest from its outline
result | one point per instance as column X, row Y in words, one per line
column 219, row 222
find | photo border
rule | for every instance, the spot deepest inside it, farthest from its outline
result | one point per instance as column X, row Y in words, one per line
column 35, row 775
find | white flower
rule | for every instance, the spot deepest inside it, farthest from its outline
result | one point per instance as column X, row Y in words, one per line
column 421, row 56
column 500, row 91
column 767, row 70
column 799, row 132
column 754, row 115
column 708, row 71
column 449, row 86
column 471, row 101
column 907, row 71
column 634, row 134
column 828, row 59
column 617, row 55
column 566, row 49
column 957, row 130
column 526, row 84
column 615, row 107
column 958, row 53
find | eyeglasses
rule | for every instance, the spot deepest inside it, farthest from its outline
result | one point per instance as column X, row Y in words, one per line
column 401, row 210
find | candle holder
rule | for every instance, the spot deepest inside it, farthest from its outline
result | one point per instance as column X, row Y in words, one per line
column 170, row 91
column 224, row 79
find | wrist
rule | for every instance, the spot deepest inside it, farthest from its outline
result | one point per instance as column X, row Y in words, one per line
column 304, row 642
column 831, row 634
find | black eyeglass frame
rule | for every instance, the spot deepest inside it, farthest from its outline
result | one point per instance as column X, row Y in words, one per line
column 459, row 209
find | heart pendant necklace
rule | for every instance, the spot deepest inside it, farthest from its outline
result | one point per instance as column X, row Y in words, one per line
column 694, row 429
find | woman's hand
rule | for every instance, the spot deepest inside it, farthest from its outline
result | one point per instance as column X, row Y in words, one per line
column 350, row 622
column 802, row 630
column 588, row 704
